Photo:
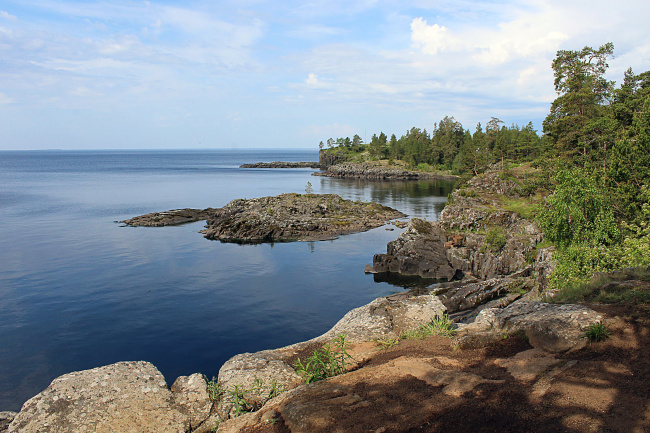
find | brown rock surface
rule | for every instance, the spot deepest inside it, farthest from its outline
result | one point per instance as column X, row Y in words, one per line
column 425, row 386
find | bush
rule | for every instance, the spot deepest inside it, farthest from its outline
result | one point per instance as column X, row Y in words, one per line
column 325, row 362
column 578, row 211
column 496, row 239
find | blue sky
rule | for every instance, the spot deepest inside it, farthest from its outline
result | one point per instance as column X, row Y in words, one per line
column 255, row 73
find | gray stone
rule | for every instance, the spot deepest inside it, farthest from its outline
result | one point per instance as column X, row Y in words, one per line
column 191, row 397
column 553, row 328
column 382, row 317
column 122, row 397
column 5, row 418
column 419, row 251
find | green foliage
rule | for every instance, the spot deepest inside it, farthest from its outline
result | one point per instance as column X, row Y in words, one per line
column 583, row 92
column 496, row 239
column 578, row 212
column 386, row 342
column 597, row 331
column 448, row 147
column 244, row 400
column 439, row 325
column 328, row 361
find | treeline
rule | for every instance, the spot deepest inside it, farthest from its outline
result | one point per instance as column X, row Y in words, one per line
column 595, row 147
column 451, row 147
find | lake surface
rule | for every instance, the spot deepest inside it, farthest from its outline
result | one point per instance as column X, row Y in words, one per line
column 78, row 290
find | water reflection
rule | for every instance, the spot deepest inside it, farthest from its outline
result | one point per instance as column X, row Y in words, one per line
column 423, row 199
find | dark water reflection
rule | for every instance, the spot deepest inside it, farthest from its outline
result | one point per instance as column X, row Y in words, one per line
column 424, row 198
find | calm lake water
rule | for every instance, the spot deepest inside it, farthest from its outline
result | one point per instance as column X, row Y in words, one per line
column 79, row 291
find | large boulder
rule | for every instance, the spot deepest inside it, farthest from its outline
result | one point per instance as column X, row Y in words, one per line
column 418, row 251
column 553, row 328
column 122, row 397
column 192, row 399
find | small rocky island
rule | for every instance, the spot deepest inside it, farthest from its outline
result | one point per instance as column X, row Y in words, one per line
column 283, row 218
column 281, row 164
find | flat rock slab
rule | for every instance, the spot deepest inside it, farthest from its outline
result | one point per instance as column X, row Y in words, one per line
column 553, row 328
column 122, row 397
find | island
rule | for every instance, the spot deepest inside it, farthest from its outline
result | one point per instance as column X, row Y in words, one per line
column 283, row 218
column 281, row 164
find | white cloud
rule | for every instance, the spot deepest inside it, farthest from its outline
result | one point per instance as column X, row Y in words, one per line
column 312, row 79
column 8, row 16
column 431, row 38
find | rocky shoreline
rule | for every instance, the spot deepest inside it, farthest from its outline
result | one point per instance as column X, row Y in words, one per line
column 500, row 271
column 284, row 218
column 367, row 170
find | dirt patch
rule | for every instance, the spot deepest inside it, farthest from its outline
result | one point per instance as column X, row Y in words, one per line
column 602, row 388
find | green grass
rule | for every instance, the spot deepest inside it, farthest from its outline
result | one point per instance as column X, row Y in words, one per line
column 328, row 361
column 597, row 331
column 240, row 396
column 609, row 288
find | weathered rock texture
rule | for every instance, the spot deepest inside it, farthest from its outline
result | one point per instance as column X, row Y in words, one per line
column 475, row 237
column 283, row 218
column 553, row 328
column 293, row 217
column 122, row 397
column 388, row 316
column 280, row 164
column 6, row 418
column 169, row 218
column 369, row 170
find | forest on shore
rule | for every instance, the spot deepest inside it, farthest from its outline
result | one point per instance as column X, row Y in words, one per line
column 593, row 157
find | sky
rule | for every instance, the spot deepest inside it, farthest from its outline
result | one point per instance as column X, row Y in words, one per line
column 118, row 74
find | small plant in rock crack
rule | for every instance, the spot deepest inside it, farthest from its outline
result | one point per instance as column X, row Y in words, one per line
column 328, row 361
column 441, row 325
column 597, row 331
column 386, row 342
column 244, row 400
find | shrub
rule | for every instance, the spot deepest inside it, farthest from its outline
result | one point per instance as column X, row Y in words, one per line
column 328, row 361
column 597, row 331
column 496, row 239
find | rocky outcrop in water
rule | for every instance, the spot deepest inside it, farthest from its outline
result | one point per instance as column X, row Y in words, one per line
column 169, row 218
column 474, row 237
column 283, row 218
column 280, row 164
column 369, row 170
column 294, row 217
